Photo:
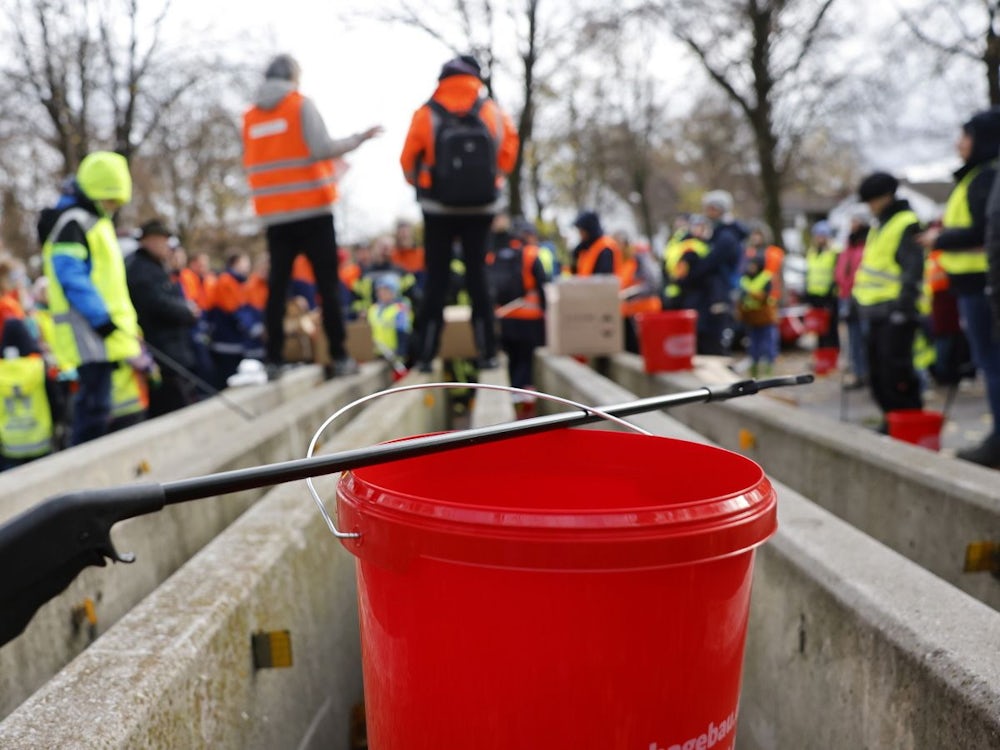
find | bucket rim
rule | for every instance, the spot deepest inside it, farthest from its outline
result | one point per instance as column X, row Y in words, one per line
column 629, row 535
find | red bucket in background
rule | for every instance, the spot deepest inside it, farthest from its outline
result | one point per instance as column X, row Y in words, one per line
column 552, row 591
column 667, row 340
column 817, row 320
column 825, row 359
column 918, row 426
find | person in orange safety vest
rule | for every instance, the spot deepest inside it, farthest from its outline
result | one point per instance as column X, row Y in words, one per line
column 458, row 204
column 292, row 166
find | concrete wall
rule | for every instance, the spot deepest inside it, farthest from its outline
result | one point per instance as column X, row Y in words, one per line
column 201, row 439
column 926, row 506
column 176, row 671
column 850, row 645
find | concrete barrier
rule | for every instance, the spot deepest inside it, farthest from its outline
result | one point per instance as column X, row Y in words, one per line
column 202, row 439
column 124, row 456
column 925, row 505
column 492, row 406
column 850, row 644
column 177, row 670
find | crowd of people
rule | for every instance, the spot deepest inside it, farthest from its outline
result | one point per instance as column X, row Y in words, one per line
column 99, row 341
column 920, row 305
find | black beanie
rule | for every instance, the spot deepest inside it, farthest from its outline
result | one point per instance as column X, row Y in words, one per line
column 283, row 68
column 466, row 65
column 876, row 185
column 589, row 222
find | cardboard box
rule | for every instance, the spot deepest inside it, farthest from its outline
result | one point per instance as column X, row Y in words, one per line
column 457, row 340
column 300, row 333
column 583, row 316
column 358, row 342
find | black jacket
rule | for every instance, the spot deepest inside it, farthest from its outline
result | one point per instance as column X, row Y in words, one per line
column 992, row 244
column 164, row 315
column 984, row 129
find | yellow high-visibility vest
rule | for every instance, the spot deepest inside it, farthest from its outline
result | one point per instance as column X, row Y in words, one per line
column 383, row 324
column 879, row 277
column 820, row 266
column 672, row 258
column 958, row 216
column 26, row 421
column 129, row 391
column 76, row 342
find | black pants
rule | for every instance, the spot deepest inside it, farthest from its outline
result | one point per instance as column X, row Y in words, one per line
column 316, row 238
column 174, row 392
column 441, row 233
column 894, row 381
column 92, row 404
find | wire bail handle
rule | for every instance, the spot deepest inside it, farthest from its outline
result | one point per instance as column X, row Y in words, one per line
column 331, row 524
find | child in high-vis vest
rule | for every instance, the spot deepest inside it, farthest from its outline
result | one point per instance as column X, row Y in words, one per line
column 390, row 319
column 25, row 419
column 758, row 311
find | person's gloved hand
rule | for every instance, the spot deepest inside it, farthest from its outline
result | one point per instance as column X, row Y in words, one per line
column 142, row 362
column 106, row 329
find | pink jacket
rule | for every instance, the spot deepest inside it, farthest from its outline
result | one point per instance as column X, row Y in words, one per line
column 847, row 265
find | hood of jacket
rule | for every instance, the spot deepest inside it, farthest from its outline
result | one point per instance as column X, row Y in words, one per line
column 272, row 91
column 457, row 93
column 71, row 197
column 984, row 129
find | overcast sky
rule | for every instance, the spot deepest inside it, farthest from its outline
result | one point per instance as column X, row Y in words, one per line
column 360, row 76
column 373, row 73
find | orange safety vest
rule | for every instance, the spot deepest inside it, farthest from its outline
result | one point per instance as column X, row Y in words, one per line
column 410, row 259
column 302, row 270
column 256, row 291
column 10, row 307
column 935, row 275
column 228, row 294
column 774, row 257
column 283, row 176
column 530, row 307
column 588, row 258
column 349, row 273
column 640, row 304
column 195, row 288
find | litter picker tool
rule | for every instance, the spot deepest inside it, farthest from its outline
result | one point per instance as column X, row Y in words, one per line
column 201, row 384
column 44, row 548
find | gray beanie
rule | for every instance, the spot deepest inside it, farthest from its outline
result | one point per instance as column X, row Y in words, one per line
column 283, row 67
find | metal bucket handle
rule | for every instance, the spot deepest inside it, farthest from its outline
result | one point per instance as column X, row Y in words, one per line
column 331, row 524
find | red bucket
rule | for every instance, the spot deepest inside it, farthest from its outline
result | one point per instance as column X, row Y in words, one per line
column 825, row 359
column 817, row 320
column 580, row 589
column 668, row 339
column 917, row 426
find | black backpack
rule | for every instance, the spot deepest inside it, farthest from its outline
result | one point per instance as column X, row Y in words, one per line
column 505, row 275
column 465, row 158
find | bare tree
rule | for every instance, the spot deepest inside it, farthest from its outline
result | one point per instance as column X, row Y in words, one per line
column 100, row 74
column 771, row 58
column 713, row 143
column 964, row 29
column 543, row 41
column 90, row 81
